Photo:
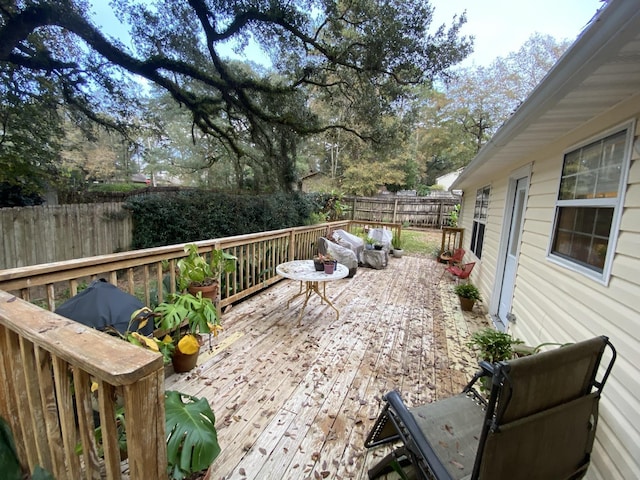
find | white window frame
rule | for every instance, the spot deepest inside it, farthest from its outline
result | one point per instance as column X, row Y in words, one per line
column 617, row 203
column 480, row 220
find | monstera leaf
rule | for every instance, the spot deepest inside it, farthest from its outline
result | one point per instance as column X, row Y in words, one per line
column 9, row 464
column 192, row 441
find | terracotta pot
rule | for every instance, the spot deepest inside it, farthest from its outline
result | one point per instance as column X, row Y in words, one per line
column 466, row 304
column 208, row 291
column 183, row 362
column 329, row 267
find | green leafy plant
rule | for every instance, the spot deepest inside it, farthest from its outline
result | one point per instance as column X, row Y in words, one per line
column 467, row 290
column 199, row 312
column 121, row 432
column 396, row 242
column 453, row 216
column 492, row 345
column 9, row 462
column 183, row 317
column 192, row 440
column 196, row 270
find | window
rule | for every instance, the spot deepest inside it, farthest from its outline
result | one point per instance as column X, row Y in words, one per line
column 589, row 203
column 479, row 220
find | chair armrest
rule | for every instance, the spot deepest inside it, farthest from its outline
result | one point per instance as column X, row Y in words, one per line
column 486, row 370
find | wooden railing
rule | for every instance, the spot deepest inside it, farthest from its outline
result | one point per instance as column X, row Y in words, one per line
column 48, row 363
column 48, row 366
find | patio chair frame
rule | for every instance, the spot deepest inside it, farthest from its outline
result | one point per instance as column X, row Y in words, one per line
column 398, row 423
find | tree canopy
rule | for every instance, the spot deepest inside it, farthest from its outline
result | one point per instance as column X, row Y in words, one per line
column 365, row 52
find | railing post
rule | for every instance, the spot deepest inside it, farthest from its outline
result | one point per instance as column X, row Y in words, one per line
column 292, row 245
column 146, row 436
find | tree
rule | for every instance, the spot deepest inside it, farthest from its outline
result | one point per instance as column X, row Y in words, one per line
column 484, row 98
column 361, row 49
column 466, row 111
column 28, row 155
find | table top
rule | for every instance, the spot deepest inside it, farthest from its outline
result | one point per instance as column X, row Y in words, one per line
column 305, row 271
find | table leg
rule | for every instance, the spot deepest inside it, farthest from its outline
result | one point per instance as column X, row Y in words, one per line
column 309, row 290
column 300, row 292
column 324, row 297
column 312, row 287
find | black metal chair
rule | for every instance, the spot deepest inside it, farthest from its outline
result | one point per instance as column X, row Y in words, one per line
column 539, row 421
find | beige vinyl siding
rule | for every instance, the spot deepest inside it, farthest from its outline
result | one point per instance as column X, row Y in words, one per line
column 484, row 272
column 552, row 303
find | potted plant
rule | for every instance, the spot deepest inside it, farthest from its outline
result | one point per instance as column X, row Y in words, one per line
column 318, row 262
column 468, row 293
column 493, row 345
column 396, row 243
column 192, row 438
column 183, row 318
column 329, row 264
column 198, row 274
column 370, row 242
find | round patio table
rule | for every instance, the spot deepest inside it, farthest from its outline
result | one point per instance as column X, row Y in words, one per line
column 304, row 271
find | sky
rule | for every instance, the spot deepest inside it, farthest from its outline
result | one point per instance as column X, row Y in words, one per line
column 503, row 26
column 499, row 26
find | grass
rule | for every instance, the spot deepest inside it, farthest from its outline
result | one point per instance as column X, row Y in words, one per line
column 420, row 242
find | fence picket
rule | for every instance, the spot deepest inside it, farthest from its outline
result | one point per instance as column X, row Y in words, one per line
column 51, row 233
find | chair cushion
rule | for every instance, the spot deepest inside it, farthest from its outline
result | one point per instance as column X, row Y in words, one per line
column 452, row 427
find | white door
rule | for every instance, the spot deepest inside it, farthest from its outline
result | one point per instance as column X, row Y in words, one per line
column 513, row 247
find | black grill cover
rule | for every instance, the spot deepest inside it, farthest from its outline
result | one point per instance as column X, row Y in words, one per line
column 103, row 305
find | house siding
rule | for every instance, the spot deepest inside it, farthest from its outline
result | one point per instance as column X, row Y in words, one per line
column 552, row 303
column 484, row 271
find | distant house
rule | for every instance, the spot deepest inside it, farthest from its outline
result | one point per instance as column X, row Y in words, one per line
column 140, row 178
column 315, row 182
column 551, row 211
column 446, row 180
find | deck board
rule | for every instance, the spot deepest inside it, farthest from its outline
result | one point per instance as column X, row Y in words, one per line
column 294, row 402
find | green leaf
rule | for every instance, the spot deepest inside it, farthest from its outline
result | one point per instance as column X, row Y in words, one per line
column 9, row 464
column 192, row 440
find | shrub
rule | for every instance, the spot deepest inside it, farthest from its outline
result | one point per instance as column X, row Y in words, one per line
column 190, row 216
column 467, row 290
column 492, row 345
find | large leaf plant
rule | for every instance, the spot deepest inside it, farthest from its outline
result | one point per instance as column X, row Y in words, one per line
column 192, row 440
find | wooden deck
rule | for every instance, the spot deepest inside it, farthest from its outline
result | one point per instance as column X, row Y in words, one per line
column 296, row 402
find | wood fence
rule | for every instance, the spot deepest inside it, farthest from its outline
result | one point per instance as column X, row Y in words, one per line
column 434, row 212
column 51, row 233
column 54, row 233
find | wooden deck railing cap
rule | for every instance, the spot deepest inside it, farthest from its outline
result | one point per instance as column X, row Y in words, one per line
column 101, row 355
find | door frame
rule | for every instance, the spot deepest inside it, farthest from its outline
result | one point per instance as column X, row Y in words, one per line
column 510, row 196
